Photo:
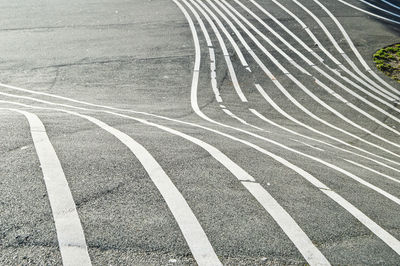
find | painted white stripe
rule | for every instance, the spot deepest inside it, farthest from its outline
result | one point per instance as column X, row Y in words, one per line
column 240, row 119
column 379, row 8
column 354, row 49
column 327, row 53
column 71, row 239
column 316, row 80
column 373, row 171
column 211, row 52
column 340, row 98
column 386, row 94
column 228, row 61
column 298, row 83
column 235, row 47
column 187, row 222
column 191, row 229
column 380, row 232
column 288, row 225
column 308, row 145
column 320, row 141
column 385, row 236
column 182, row 122
column 391, row 4
column 277, row 108
column 278, row 212
column 376, row 229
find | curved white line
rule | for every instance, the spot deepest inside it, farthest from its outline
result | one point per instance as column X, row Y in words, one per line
column 391, row 4
column 284, row 91
column 228, row 112
column 358, row 55
column 191, row 229
column 369, row 13
column 228, row 61
column 282, row 112
column 376, row 229
column 373, row 171
column 317, row 81
column 186, row 220
column 70, row 235
column 331, row 57
column 379, row 8
column 355, row 51
column 323, row 49
column 320, row 141
column 211, row 52
column 283, row 219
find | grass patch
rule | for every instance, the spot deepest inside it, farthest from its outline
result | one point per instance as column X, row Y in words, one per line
column 387, row 60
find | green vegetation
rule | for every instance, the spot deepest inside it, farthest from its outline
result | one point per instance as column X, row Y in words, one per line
column 387, row 60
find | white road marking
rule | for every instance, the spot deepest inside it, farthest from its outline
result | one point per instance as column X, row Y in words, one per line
column 316, row 55
column 235, row 47
column 345, row 56
column 320, row 141
column 379, row 8
column 282, row 112
column 186, row 220
column 375, row 228
column 240, row 119
column 298, row 83
column 309, row 252
column 391, row 4
column 191, row 229
column 311, row 64
column 308, row 145
column 228, row 61
column 211, row 53
column 372, row 170
column 288, row 225
column 327, row 53
column 356, row 52
column 71, row 239
column 380, row 232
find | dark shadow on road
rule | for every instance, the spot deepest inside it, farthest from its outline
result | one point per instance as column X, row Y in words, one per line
column 386, row 5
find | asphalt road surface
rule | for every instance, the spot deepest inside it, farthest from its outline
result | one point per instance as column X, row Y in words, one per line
column 209, row 132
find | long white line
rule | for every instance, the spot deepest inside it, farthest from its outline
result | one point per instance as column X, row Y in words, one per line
column 282, row 89
column 379, row 91
column 288, row 225
column 372, row 170
column 354, row 49
column 71, row 239
column 375, row 228
column 319, row 82
column 228, row 112
column 282, row 112
column 313, row 256
column 320, row 141
column 191, row 229
column 303, row 57
column 380, row 232
column 391, row 4
column 306, row 144
column 211, row 52
column 379, row 8
column 369, row 13
column 228, row 61
column 234, row 45
column 329, row 55
column 188, row 223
